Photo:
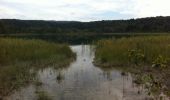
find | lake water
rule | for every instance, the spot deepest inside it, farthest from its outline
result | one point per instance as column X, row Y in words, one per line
column 81, row 80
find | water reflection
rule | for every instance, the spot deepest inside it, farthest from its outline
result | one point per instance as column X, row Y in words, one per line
column 60, row 78
column 83, row 81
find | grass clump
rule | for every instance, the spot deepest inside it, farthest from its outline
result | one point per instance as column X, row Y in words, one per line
column 19, row 56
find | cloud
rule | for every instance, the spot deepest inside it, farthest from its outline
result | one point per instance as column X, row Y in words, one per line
column 153, row 8
column 83, row 10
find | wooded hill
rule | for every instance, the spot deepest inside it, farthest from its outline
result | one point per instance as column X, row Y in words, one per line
column 142, row 25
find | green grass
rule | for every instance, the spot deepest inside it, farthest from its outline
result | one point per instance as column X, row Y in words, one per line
column 147, row 57
column 118, row 51
column 17, row 50
column 19, row 56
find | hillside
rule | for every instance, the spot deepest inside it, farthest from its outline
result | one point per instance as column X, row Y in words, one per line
column 145, row 25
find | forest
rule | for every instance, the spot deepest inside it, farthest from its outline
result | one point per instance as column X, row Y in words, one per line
column 157, row 24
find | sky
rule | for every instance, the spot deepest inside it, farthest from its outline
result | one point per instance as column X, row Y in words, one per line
column 82, row 10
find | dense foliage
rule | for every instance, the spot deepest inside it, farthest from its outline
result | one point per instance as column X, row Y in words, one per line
column 152, row 24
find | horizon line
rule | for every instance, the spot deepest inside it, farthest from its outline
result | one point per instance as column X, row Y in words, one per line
column 80, row 21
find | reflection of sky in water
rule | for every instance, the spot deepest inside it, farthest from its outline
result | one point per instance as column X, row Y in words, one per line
column 83, row 81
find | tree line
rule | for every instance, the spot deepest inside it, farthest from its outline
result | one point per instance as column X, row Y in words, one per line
column 144, row 25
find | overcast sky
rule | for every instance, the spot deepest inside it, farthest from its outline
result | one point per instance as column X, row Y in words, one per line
column 83, row 10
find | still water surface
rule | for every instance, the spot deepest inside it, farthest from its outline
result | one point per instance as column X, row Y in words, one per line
column 81, row 80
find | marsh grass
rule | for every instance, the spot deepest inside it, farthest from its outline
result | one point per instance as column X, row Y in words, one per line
column 14, row 76
column 116, row 51
column 17, row 50
column 19, row 56
column 147, row 57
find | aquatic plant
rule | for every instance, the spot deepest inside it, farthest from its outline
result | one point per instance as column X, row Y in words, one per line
column 160, row 62
column 132, row 50
column 19, row 56
column 36, row 51
column 136, row 56
column 150, row 52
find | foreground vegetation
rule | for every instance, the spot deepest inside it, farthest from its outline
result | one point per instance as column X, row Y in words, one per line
column 18, row 57
column 148, row 57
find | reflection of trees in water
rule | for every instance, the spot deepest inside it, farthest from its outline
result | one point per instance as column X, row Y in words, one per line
column 124, row 78
column 83, row 49
column 126, row 81
column 60, row 77
column 107, row 75
column 87, row 50
column 92, row 49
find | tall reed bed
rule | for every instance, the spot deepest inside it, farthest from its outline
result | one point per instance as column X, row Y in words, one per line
column 16, row 50
column 121, row 51
column 148, row 57
column 19, row 56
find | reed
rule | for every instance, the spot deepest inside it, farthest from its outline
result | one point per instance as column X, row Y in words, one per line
column 19, row 56
column 17, row 50
column 125, row 51
column 147, row 57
